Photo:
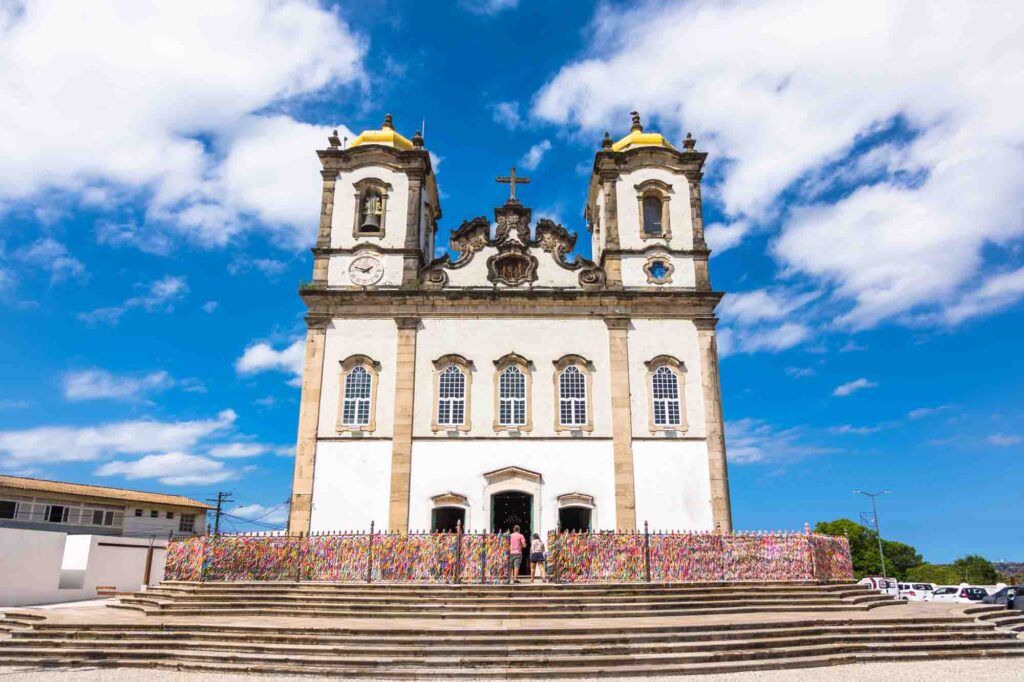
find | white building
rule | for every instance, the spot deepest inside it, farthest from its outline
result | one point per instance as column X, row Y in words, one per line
column 78, row 509
column 510, row 383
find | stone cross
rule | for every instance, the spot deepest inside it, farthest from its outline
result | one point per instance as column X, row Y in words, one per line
column 512, row 181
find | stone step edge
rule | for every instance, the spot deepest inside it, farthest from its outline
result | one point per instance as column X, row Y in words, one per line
column 428, row 650
column 651, row 661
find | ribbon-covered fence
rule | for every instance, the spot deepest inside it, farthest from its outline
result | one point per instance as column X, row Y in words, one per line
column 484, row 557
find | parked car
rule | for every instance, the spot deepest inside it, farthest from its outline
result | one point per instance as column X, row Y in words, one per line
column 916, row 591
column 959, row 594
column 883, row 585
column 1008, row 595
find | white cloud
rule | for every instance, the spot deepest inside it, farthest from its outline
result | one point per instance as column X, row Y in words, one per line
column 901, row 155
column 262, row 357
column 856, row 430
column 752, row 441
column 921, row 412
column 800, row 372
column 49, row 254
column 48, row 444
column 759, row 305
column 770, row 339
column 257, row 512
column 507, row 114
column 268, row 266
column 132, row 234
column 1004, row 440
column 139, row 101
column 852, row 346
column 171, row 468
column 210, row 306
column 722, row 237
column 488, row 7
column 995, row 293
column 239, row 450
column 160, row 296
column 851, row 387
column 535, row 155
column 92, row 384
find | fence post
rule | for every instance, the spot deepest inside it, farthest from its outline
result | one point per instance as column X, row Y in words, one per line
column 647, row 553
column 369, row 556
column 483, row 556
column 458, row 551
column 556, row 553
column 298, row 560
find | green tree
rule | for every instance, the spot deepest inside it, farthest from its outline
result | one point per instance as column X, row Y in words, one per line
column 976, row 569
column 940, row 574
column 899, row 557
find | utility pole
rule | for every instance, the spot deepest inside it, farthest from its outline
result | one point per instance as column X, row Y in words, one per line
column 878, row 526
column 222, row 497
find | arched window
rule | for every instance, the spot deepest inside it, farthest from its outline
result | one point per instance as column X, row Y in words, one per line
column 451, row 397
column 356, row 409
column 666, row 377
column 572, row 397
column 357, row 394
column 653, row 198
column 665, row 395
column 371, row 211
column 652, row 215
column 512, row 397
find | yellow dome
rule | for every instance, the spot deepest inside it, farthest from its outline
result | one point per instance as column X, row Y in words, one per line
column 386, row 136
column 638, row 138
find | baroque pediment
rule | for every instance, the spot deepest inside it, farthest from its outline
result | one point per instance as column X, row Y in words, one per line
column 514, row 258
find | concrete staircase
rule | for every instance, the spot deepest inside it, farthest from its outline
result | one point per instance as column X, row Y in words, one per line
column 320, row 600
column 831, row 625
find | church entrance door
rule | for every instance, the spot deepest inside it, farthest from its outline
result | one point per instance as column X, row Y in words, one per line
column 511, row 509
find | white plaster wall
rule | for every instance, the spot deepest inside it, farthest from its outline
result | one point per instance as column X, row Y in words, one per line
column 600, row 229
column 680, row 219
column 673, row 491
column 351, row 485
column 159, row 527
column 345, row 208
column 684, row 274
column 566, row 466
column 678, row 338
column 376, row 338
column 338, row 273
column 32, row 561
column 542, row 341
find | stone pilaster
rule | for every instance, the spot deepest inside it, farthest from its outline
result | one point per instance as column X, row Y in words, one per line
column 612, row 262
column 411, row 261
column 622, row 423
column 721, row 508
column 700, row 263
column 401, row 442
column 323, row 240
column 309, row 420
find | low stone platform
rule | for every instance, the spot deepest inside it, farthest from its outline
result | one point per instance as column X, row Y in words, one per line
column 392, row 640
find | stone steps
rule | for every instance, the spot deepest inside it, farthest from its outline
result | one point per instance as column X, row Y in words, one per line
column 509, row 666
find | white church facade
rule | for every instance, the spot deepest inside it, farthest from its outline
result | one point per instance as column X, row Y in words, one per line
column 511, row 382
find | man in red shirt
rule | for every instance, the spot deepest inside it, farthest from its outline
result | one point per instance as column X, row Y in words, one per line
column 516, row 544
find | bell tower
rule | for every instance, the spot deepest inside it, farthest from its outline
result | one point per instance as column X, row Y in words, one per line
column 379, row 211
column 644, row 212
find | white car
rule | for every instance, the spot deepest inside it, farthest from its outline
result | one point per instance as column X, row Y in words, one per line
column 883, row 585
column 916, row 591
column 959, row 594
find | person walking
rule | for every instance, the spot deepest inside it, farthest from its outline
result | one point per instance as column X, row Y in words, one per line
column 537, row 559
column 515, row 548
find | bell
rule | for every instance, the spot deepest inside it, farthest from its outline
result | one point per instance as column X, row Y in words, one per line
column 371, row 223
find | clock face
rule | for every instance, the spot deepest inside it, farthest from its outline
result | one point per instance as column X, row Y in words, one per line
column 365, row 270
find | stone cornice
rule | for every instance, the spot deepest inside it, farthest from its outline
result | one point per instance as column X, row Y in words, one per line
column 325, row 304
column 337, row 251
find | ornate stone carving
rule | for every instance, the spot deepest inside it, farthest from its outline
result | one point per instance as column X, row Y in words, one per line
column 472, row 236
column 435, row 278
column 554, row 238
column 592, row 277
column 513, row 222
column 512, row 268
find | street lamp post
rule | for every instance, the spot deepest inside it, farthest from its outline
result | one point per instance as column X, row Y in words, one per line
column 878, row 526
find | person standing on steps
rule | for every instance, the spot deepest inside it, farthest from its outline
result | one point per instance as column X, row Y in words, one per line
column 516, row 544
column 537, row 559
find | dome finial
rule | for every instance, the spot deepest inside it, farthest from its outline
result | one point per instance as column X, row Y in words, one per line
column 606, row 143
column 387, row 122
column 636, row 122
column 417, row 140
column 689, row 142
column 333, row 140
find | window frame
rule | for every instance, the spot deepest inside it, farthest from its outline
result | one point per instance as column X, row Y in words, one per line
column 670, row 268
column 189, row 520
column 463, row 365
column 584, row 367
column 662, row 191
column 677, row 367
column 523, row 365
column 14, row 509
column 362, row 188
column 348, row 365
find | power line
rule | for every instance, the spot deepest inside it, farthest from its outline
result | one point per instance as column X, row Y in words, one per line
column 222, row 497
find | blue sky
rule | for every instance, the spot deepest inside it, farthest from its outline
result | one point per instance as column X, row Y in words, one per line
column 864, row 196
